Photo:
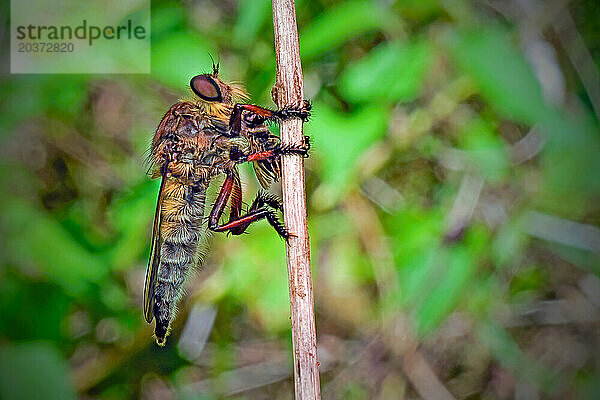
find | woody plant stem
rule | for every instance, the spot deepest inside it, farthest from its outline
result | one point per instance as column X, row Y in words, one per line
column 289, row 91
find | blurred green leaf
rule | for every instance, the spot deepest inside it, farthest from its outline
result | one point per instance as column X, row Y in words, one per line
column 529, row 279
column 44, row 306
column 457, row 273
column 590, row 386
column 485, row 150
column 421, row 273
column 252, row 14
column 255, row 274
column 394, row 71
column 570, row 163
column 179, row 57
column 583, row 259
column 132, row 215
column 414, row 230
column 500, row 70
column 38, row 241
column 354, row 391
column 27, row 98
column 167, row 19
column 34, row 370
column 507, row 245
column 340, row 139
column 417, row 252
column 347, row 20
column 114, row 296
column 418, row 9
column 508, row 83
column 66, row 94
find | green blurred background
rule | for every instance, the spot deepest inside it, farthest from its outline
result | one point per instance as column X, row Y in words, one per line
column 454, row 205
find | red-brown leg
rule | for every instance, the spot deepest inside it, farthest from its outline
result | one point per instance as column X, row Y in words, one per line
column 236, row 200
column 302, row 149
column 236, row 204
column 221, row 202
column 238, row 225
column 257, row 115
column 262, row 199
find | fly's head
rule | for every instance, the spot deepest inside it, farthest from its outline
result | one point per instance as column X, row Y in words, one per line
column 215, row 96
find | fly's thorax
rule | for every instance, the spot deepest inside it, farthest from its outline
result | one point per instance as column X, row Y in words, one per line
column 190, row 151
column 186, row 129
column 184, row 148
column 173, row 123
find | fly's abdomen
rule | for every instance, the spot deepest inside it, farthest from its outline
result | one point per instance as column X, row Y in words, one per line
column 181, row 231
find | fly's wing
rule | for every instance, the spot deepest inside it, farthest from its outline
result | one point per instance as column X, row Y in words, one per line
column 267, row 171
column 154, row 261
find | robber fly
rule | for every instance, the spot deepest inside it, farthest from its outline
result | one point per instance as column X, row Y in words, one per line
column 195, row 142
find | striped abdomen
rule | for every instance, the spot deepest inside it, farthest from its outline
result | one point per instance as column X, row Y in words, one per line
column 182, row 211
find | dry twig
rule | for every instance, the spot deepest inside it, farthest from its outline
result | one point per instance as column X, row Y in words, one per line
column 289, row 91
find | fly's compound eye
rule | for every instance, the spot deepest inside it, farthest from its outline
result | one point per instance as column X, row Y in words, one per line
column 206, row 88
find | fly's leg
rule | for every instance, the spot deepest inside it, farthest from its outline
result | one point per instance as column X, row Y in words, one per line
column 257, row 115
column 238, row 225
column 301, row 149
column 221, row 202
column 238, row 156
column 262, row 199
column 236, row 200
column 266, row 198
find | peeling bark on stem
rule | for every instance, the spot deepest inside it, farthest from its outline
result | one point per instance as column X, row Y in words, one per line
column 289, row 91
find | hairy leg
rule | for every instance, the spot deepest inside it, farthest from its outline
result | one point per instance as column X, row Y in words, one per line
column 257, row 115
column 238, row 224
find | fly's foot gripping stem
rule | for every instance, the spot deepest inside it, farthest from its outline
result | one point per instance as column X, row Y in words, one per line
column 301, row 149
column 302, row 111
column 238, row 156
column 252, row 115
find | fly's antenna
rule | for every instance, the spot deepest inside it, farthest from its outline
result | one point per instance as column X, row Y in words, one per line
column 215, row 67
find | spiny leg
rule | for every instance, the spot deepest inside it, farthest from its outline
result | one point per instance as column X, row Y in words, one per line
column 257, row 115
column 239, row 225
column 301, row 149
column 239, row 156
column 262, row 199
column 266, row 198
